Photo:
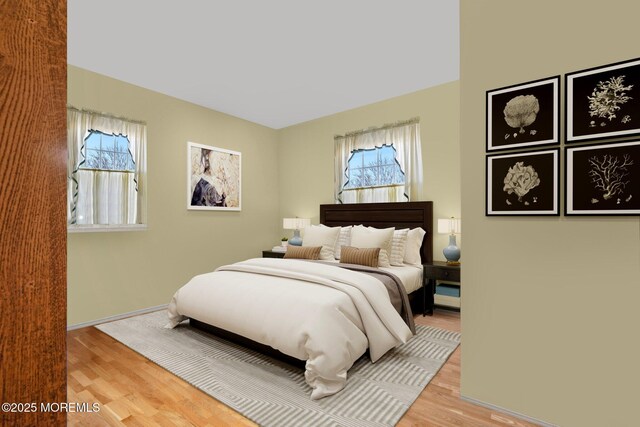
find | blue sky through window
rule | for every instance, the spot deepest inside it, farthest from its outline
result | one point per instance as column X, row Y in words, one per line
column 374, row 167
column 107, row 152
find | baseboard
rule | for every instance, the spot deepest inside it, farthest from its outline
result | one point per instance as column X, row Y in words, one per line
column 116, row 317
column 507, row 411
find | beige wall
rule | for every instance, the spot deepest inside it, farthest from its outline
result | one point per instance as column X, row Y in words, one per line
column 306, row 153
column 550, row 306
column 117, row 272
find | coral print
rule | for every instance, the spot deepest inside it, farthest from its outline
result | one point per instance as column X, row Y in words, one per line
column 603, row 102
column 521, row 111
column 520, row 180
column 609, row 174
column 607, row 98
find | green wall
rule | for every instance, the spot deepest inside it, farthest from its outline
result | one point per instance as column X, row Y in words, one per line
column 118, row 272
column 550, row 318
column 306, row 153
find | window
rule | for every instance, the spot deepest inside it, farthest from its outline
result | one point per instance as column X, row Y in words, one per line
column 379, row 164
column 374, row 167
column 107, row 152
column 106, row 172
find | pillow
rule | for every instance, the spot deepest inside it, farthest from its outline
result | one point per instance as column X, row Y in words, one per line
column 412, row 248
column 360, row 256
column 315, row 235
column 344, row 239
column 369, row 237
column 299, row 252
column 398, row 245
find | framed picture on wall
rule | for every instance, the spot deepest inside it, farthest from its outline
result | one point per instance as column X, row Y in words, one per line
column 523, row 183
column 603, row 102
column 603, row 179
column 213, row 178
column 524, row 115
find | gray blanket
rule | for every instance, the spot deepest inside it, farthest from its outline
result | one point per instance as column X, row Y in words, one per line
column 395, row 288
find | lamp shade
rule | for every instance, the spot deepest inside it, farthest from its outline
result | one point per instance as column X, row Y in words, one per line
column 295, row 223
column 449, row 226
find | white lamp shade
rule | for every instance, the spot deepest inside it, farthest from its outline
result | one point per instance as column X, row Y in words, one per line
column 295, row 223
column 449, row 226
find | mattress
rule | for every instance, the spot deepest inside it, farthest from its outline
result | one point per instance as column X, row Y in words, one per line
column 410, row 275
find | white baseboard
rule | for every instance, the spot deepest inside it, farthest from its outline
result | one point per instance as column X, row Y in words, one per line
column 116, row 317
column 507, row 411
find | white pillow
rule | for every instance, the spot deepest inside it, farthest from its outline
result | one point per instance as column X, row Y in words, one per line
column 344, row 239
column 369, row 237
column 316, row 235
column 398, row 245
column 412, row 248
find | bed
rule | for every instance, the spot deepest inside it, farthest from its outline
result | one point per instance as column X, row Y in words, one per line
column 313, row 313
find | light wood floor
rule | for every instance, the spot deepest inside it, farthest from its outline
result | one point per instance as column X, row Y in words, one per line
column 133, row 391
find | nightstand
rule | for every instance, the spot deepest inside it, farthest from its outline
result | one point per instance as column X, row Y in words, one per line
column 431, row 272
column 272, row 254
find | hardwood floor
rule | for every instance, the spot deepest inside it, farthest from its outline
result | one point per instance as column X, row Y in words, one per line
column 133, row 391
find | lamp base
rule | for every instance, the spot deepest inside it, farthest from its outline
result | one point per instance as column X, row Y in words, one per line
column 296, row 240
column 453, row 262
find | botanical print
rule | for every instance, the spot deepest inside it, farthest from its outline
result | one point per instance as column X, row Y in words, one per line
column 214, row 178
column 604, row 179
column 520, row 112
column 523, row 115
column 523, row 183
column 520, row 180
column 603, row 102
column 610, row 174
column 606, row 100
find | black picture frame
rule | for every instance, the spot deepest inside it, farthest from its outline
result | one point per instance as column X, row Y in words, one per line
column 535, row 115
column 523, row 184
column 603, row 102
column 603, row 179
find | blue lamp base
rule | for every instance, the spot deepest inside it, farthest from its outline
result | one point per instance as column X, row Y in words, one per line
column 296, row 240
column 452, row 252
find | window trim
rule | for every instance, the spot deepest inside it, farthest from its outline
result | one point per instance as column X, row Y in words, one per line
column 100, row 228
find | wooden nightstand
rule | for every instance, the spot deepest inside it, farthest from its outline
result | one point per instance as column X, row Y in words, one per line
column 272, row 254
column 436, row 270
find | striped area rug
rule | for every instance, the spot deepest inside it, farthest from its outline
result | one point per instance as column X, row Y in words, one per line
column 273, row 393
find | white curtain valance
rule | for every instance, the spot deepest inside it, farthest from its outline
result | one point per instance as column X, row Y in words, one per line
column 405, row 138
column 105, row 197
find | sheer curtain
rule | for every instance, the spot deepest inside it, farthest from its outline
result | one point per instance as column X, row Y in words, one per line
column 405, row 138
column 105, row 197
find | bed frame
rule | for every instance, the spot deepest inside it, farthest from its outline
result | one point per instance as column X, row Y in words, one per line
column 379, row 215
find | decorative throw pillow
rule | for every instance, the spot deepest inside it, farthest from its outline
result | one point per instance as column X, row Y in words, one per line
column 412, row 248
column 369, row 237
column 398, row 245
column 299, row 252
column 344, row 239
column 326, row 237
column 361, row 256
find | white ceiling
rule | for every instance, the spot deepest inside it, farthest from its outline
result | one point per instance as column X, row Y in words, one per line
column 276, row 62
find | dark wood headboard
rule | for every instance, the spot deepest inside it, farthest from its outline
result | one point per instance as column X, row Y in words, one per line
column 382, row 215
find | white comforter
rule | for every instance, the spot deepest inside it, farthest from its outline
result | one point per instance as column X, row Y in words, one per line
column 323, row 314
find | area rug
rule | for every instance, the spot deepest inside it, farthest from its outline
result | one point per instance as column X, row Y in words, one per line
column 273, row 393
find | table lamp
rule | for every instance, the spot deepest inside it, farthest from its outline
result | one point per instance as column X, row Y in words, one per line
column 295, row 224
column 450, row 226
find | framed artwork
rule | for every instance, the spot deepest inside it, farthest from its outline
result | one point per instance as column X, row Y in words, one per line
column 213, row 178
column 603, row 102
column 524, row 115
column 603, row 179
column 523, row 183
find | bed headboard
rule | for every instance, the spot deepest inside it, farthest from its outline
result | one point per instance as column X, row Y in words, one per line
column 382, row 215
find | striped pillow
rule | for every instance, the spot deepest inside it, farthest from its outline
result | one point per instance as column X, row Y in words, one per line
column 361, row 256
column 303, row 252
column 398, row 245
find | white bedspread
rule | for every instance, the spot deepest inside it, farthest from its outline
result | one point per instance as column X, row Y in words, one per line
column 323, row 314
